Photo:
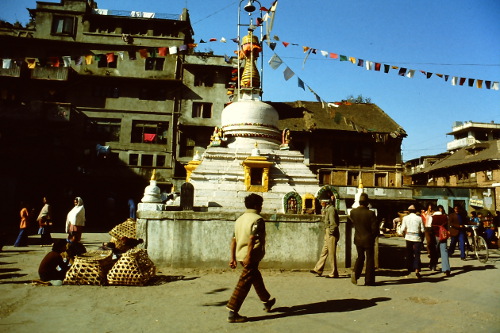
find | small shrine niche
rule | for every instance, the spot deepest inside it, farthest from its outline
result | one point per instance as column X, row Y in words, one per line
column 308, row 204
column 256, row 170
column 256, row 174
column 292, row 203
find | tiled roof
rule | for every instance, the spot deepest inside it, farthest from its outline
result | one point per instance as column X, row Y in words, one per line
column 476, row 153
column 311, row 116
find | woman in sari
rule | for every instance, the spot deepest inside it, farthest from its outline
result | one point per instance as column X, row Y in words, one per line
column 45, row 222
column 75, row 221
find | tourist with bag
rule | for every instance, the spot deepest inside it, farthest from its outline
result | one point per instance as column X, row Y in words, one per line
column 440, row 226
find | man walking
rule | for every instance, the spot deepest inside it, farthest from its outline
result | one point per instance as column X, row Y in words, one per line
column 366, row 231
column 332, row 235
column 248, row 248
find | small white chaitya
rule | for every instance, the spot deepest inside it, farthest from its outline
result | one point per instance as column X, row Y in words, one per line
column 152, row 196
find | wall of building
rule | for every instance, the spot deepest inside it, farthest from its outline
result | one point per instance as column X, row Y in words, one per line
column 202, row 239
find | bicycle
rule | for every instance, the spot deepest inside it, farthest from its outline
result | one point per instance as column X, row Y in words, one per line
column 477, row 245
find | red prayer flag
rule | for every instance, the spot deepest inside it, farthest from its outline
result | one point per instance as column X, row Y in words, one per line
column 285, row 44
column 264, row 9
column 162, row 51
column 149, row 137
column 143, row 53
column 55, row 61
column 212, row 39
column 334, row 55
column 377, row 66
column 110, row 57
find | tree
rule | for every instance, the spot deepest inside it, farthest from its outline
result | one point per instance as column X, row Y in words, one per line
column 359, row 99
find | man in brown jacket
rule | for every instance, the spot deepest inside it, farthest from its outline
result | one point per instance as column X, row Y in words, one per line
column 331, row 223
column 248, row 248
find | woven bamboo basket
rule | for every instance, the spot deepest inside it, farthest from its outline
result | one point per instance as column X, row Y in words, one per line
column 90, row 268
column 125, row 229
column 134, row 268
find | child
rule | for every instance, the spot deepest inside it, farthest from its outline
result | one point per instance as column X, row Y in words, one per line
column 48, row 267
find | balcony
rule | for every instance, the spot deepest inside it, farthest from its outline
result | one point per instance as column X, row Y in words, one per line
column 51, row 111
column 460, row 143
column 50, row 73
column 14, row 71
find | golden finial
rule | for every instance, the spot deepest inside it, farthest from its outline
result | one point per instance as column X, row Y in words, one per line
column 250, row 50
column 153, row 175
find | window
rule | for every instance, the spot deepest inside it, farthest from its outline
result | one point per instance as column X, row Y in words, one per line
column 324, row 177
column 204, row 79
column 63, row 25
column 103, row 129
column 149, row 132
column 154, row 64
column 160, row 160
column 133, row 159
column 146, row 160
column 202, row 110
column 352, row 178
column 380, row 179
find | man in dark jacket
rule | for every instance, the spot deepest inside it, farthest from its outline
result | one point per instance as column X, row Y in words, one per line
column 457, row 221
column 366, row 231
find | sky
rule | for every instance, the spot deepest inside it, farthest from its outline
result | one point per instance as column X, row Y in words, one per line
column 451, row 37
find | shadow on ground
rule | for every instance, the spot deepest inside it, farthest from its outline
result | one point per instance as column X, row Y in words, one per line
column 338, row 305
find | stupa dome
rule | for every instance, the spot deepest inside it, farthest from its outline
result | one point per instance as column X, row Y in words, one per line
column 248, row 121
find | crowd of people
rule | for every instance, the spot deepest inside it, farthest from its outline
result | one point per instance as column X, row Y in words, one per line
column 439, row 231
column 58, row 261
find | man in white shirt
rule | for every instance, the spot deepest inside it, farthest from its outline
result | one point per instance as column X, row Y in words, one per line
column 413, row 229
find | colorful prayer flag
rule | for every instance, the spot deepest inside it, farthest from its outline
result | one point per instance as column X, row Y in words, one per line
column 288, row 73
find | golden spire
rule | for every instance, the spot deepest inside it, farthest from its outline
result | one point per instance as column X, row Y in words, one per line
column 250, row 50
column 153, row 175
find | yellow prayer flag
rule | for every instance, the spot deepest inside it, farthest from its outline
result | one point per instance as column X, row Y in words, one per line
column 479, row 83
column 306, row 48
column 352, row 59
column 31, row 62
column 88, row 59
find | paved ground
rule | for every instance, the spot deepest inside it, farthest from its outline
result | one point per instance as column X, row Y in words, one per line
column 194, row 301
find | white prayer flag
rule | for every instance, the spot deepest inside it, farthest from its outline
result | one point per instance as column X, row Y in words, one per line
column 275, row 61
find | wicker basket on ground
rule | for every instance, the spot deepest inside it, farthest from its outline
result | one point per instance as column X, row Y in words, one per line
column 125, row 229
column 134, row 268
column 90, row 268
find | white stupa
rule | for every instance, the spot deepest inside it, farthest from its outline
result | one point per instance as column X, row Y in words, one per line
column 249, row 158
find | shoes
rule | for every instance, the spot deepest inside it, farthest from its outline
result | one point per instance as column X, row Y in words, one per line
column 314, row 272
column 336, row 276
column 463, row 259
column 447, row 273
column 353, row 278
column 269, row 304
column 417, row 274
column 234, row 317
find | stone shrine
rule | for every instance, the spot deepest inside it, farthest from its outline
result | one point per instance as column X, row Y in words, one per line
column 248, row 154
